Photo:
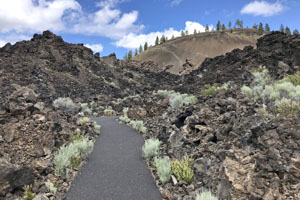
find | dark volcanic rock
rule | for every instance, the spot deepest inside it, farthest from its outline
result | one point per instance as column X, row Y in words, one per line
column 238, row 154
column 14, row 177
column 273, row 51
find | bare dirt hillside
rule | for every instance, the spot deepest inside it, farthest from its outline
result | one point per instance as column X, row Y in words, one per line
column 188, row 52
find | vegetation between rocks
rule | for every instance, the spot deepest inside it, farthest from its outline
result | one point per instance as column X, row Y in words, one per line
column 182, row 169
column 177, row 100
column 284, row 94
column 136, row 124
column 206, row 195
column 68, row 156
column 151, row 148
column 163, row 166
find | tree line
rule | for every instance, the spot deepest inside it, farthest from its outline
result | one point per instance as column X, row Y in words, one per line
column 239, row 24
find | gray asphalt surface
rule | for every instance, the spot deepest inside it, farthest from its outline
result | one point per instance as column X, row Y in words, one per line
column 115, row 169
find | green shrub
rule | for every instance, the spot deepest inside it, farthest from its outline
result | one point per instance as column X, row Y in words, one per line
column 151, row 148
column 27, row 192
column 84, row 106
column 66, row 104
column 52, row 189
column 69, row 154
column 182, row 169
column 287, row 106
column 125, row 112
column 124, row 119
column 247, row 90
column 284, row 93
column 212, row 90
column 208, row 92
column 76, row 136
column 164, row 93
column 138, row 125
column 84, row 120
column 109, row 111
column 97, row 127
column 294, row 79
column 177, row 100
column 207, row 195
column 163, row 167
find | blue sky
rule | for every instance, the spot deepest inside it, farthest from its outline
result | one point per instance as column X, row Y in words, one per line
column 108, row 26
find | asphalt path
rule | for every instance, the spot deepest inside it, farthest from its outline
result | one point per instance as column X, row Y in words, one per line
column 115, row 170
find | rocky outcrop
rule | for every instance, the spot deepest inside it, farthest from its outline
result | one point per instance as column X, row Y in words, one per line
column 14, row 177
column 238, row 153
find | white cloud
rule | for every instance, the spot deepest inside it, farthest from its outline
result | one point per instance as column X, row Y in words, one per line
column 262, row 8
column 132, row 40
column 2, row 43
column 175, row 2
column 12, row 38
column 95, row 47
column 28, row 15
column 67, row 16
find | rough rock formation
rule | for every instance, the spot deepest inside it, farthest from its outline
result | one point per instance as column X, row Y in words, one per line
column 238, row 153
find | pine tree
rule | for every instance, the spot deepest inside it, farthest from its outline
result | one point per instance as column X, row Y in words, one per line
column 288, row 31
column 186, row 32
column 206, row 28
column 135, row 52
column 145, row 46
column 241, row 24
column 260, row 29
column 218, row 25
column 229, row 24
column 156, row 41
column 162, row 39
column 129, row 56
column 237, row 24
column 141, row 49
column 296, row 32
column 182, row 33
column 195, row 31
column 281, row 28
column 267, row 27
column 255, row 26
column 223, row 27
column 125, row 57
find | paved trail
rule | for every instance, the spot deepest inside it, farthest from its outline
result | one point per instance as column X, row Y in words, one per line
column 115, row 169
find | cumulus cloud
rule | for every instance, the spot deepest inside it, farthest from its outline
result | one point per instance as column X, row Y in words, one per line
column 95, row 47
column 28, row 15
column 12, row 38
column 67, row 16
column 132, row 40
column 262, row 8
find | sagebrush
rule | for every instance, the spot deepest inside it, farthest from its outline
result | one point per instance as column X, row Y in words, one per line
column 65, row 104
column 151, row 148
column 206, row 195
column 176, row 99
column 68, row 154
column 163, row 166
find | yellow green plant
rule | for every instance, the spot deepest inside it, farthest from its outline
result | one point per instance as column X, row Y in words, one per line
column 28, row 194
column 109, row 111
column 212, row 90
column 84, row 120
column 52, row 189
column 294, row 78
column 182, row 169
